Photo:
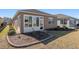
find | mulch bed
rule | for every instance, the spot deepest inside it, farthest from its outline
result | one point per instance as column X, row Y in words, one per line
column 38, row 35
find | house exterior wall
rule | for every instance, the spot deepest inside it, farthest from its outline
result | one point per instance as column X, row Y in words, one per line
column 77, row 22
column 16, row 23
column 59, row 23
column 68, row 25
column 50, row 26
column 72, row 23
column 46, row 25
column 20, row 21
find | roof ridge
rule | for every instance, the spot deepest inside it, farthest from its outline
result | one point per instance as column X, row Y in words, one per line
column 36, row 11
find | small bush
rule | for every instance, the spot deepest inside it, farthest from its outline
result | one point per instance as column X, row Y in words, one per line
column 58, row 27
column 41, row 27
column 11, row 32
column 64, row 27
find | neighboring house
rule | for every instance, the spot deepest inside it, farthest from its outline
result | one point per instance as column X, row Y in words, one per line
column 66, row 21
column 33, row 20
column 77, row 21
column 6, row 19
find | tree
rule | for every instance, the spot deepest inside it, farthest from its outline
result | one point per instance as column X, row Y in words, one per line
column 1, row 21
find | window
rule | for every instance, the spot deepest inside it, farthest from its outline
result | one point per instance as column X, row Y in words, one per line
column 41, row 23
column 30, row 21
column 34, row 22
column 71, row 22
column 37, row 21
column 26, row 25
column 50, row 21
column 61, row 21
column 64, row 21
column 26, row 19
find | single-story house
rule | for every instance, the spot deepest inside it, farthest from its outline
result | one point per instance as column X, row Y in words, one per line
column 33, row 20
column 66, row 21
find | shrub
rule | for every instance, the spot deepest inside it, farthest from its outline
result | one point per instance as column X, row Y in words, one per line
column 64, row 27
column 41, row 27
column 11, row 32
column 58, row 27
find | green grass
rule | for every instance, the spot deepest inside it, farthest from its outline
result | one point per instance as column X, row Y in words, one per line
column 59, row 33
column 4, row 32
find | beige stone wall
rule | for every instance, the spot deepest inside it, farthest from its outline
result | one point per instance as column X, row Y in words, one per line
column 18, row 23
column 50, row 26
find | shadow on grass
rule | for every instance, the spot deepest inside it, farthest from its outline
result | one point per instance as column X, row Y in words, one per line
column 57, row 34
column 43, row 35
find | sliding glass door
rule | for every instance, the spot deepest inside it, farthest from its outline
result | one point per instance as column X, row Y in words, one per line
column 33, row 23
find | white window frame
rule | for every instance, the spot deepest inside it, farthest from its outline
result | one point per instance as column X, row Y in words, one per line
column 50, row 19
column 33, row 16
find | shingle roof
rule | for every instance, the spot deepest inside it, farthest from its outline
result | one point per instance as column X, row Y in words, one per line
column 34, row 11
column 62, row 16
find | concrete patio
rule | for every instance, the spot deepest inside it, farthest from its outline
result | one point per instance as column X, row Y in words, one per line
column 21, row 40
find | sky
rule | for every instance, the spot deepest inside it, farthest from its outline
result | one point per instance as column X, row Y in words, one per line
column 70, row 12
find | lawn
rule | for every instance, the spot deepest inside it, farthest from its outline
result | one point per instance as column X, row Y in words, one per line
column 3, row 40
column 4, row 32
column 56, row 34
column 59, row 33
